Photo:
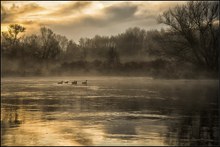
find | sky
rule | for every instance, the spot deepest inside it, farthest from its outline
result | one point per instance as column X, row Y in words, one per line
column 75, row 19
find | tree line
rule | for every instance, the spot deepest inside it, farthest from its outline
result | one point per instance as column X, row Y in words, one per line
column 188, row 48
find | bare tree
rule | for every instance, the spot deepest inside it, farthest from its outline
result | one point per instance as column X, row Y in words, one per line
column 63, row 41
column 11, row 40
column 197, row 22
column 113, row 57
column 50, row 46
column 72, row 51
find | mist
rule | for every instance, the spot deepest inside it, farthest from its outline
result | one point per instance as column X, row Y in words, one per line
column 135, row 52
column 110, row 73
column 172, row 52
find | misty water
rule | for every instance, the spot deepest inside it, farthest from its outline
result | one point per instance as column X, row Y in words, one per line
column 108, row 111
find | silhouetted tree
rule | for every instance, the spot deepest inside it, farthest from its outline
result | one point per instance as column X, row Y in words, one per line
column 32, row 46
column 113, row 57
column 10, row 40
column 50, row 46
column 196, row 22
column 165, row 49
column 131, row 42
column 63, row 41
column 82, row 45
column 73, row 51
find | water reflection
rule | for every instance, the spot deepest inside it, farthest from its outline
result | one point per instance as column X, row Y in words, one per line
column 123, row 129
column 195, row 129
column 197, row 122
column 146, row 112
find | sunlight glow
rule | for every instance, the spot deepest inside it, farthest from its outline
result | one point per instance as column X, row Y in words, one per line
column 82, row 15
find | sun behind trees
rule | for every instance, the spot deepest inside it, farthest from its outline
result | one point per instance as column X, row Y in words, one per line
column 188, row 49
column 10, row 41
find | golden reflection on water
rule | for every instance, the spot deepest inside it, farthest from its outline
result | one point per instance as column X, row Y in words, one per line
column 23, row 127
column 38, row 134
column 108, row 113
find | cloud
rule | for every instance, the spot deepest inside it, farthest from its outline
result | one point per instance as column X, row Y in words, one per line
column 86, row 19
column 13, row 13
column 153, row 9
column 110, row 20
column 117, row 13
column 121, row 11
column 70, row 8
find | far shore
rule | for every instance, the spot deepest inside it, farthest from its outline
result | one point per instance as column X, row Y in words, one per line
column 109, row 75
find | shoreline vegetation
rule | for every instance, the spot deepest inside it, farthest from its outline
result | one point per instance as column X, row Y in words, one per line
column 94, row 73
column 107, row 75
column 187, row 49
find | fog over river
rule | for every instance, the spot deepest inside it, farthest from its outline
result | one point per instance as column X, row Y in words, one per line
column 108, row 111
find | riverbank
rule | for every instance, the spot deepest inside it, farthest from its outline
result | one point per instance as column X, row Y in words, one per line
column 200, row 77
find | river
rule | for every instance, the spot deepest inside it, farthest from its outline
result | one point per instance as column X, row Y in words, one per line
column 108, row 111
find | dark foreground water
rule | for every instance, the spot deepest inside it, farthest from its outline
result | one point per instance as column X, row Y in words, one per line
column 109, row 111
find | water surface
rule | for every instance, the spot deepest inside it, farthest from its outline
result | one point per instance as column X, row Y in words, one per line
column 109, row 111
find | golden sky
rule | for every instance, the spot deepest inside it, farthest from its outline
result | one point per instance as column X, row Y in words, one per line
column 76, row 19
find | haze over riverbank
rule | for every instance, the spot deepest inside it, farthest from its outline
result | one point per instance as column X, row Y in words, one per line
column 104, row 73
